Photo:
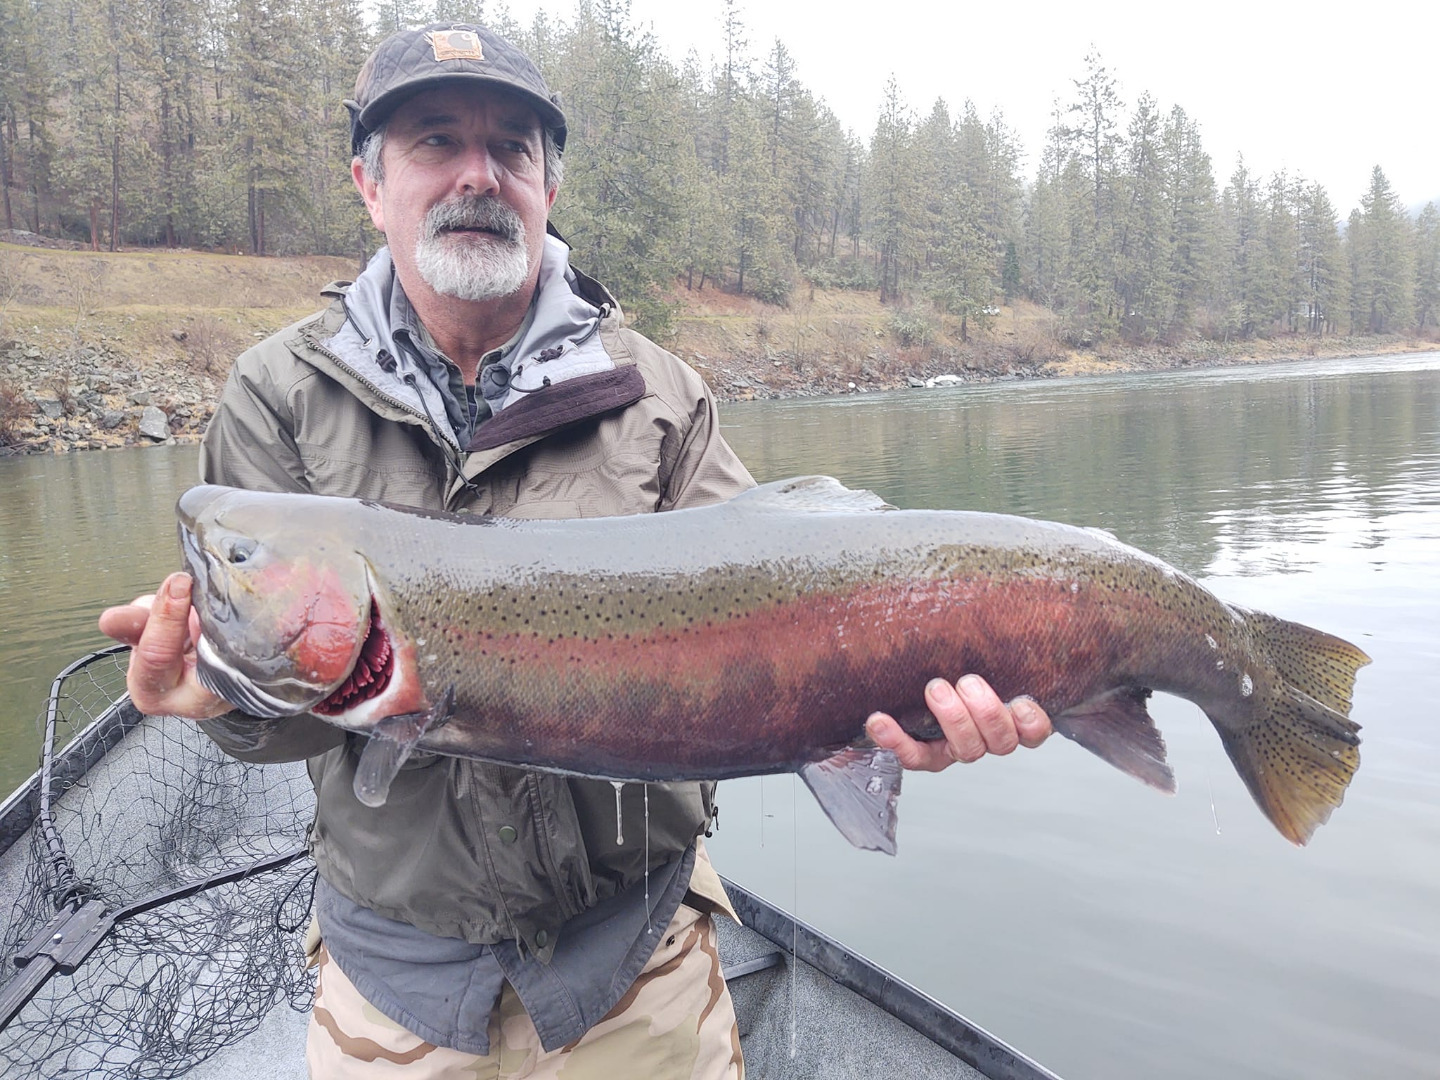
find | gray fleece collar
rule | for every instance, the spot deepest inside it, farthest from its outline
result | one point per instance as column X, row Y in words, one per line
column 560, row 342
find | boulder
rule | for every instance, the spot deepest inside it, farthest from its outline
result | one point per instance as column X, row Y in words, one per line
column 51, row 407
column 154, row 424
column 111, row 419
column 142, row 397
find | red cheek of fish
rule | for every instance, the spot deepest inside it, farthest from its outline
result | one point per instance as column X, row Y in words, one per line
column 321, row 620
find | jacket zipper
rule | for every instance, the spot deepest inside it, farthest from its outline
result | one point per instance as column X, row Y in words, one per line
column 453, row 470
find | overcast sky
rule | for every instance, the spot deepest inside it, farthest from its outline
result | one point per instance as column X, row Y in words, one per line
column 1324, row 90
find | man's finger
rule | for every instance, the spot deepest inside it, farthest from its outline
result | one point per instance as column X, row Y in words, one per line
column 992, row 720
column 1032, row 722
column 885, row 733
column 158, row 662
column 124, row 623
column 962, row 737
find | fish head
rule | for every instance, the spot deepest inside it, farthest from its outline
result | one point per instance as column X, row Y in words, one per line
column 285, row 603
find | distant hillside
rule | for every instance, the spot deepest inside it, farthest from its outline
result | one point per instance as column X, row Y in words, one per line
column 90, row 342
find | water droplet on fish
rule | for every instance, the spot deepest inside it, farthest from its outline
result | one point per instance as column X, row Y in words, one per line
column 1247, row 684
column 1074, row 586
column 1219, row 665
column 618, row 785
column 1211, row 642
column 875, row 786
column 430, row 658
column 647, row 855
column 419, row 642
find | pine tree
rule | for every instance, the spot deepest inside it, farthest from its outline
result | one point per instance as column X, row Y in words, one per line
column 1192, row 242
column 1427, row 267
column 1142, row 240
column 890, row 183
column 1249, row 279
column 1319, row 260
column 1094, row 148
column 1382, row 257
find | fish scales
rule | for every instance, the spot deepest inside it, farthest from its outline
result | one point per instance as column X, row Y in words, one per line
column 753, row 637
column 767, row 665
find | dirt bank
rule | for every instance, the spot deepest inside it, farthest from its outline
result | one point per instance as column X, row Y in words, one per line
column 110, row 350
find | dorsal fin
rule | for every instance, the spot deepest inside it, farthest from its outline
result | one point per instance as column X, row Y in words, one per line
column 814, row 494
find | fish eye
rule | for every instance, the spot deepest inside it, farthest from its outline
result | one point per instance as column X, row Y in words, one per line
column 237, row 550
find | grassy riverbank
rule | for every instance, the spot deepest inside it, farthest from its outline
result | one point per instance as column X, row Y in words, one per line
column 89, row 342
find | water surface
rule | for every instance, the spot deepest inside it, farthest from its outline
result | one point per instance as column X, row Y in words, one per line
column 1108, row 931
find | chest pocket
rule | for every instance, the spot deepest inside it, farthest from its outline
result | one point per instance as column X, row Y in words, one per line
column 583, row 473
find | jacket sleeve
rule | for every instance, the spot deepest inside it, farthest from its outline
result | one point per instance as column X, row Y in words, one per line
column 250, row 443
column 706, row 470
column 251, row 738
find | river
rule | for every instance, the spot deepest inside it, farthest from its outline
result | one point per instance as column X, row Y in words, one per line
column 1108, row 931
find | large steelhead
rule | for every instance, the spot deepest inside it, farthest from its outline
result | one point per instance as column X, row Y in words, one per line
column 750, row 637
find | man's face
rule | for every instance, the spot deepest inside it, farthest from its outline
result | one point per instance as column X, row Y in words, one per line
column 463, row 204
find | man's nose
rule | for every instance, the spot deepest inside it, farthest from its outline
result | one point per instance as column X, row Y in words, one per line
column 478, row 175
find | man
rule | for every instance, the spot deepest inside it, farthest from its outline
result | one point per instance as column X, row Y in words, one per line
column 488, row 918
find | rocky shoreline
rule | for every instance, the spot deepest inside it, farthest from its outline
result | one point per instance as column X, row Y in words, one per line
column 97, row 399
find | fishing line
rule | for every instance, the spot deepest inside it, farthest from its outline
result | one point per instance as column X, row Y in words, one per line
column 618, row 785
column 1213, row 815
column 647, row 858
column 794, row 906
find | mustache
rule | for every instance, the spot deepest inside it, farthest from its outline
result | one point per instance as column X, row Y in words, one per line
column 474, row 212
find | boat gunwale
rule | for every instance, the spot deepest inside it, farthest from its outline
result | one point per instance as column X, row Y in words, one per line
column 987, row 1053
column 794, row 939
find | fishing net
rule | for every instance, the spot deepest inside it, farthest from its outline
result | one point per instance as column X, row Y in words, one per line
column 184, row 864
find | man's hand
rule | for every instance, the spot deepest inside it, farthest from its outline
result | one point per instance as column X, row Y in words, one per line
column 975, row 722
column 162, row 630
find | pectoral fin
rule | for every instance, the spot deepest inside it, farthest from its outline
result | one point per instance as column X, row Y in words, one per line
column 1116, row 727
column 391, row 741
column 858, row 789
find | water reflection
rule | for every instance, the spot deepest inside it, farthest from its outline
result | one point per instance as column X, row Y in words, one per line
column 1107, row 931
column 1111, row 933
column 77, row 532
column 1201, row 468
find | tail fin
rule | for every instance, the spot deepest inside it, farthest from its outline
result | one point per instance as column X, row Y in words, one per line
column 1314, row 662
column 1299, row 750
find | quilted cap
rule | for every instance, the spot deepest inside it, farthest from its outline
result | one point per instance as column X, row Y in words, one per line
column 413, row 60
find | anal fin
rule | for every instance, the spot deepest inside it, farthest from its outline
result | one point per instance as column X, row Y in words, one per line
column 1117, row 728
column 858, row 789
column 390, row 744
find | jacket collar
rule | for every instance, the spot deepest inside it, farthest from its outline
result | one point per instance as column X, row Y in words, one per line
column 560, row 343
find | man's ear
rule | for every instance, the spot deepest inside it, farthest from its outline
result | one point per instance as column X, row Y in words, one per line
column 370, row 192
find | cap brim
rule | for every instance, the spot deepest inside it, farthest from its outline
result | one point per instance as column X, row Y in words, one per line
column 378, row 111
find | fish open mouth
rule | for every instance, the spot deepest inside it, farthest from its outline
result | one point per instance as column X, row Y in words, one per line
column 371, row 674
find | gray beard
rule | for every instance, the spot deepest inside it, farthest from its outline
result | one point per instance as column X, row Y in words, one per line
column 469, row 266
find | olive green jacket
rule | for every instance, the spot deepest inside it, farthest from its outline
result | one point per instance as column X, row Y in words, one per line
column 465, row 848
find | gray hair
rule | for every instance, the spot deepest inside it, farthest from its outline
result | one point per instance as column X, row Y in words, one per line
column 370, row 158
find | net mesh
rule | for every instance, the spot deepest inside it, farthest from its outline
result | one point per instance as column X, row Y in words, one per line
column 161, row 810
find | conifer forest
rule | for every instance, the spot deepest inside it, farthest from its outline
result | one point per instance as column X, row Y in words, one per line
column 219, row 125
